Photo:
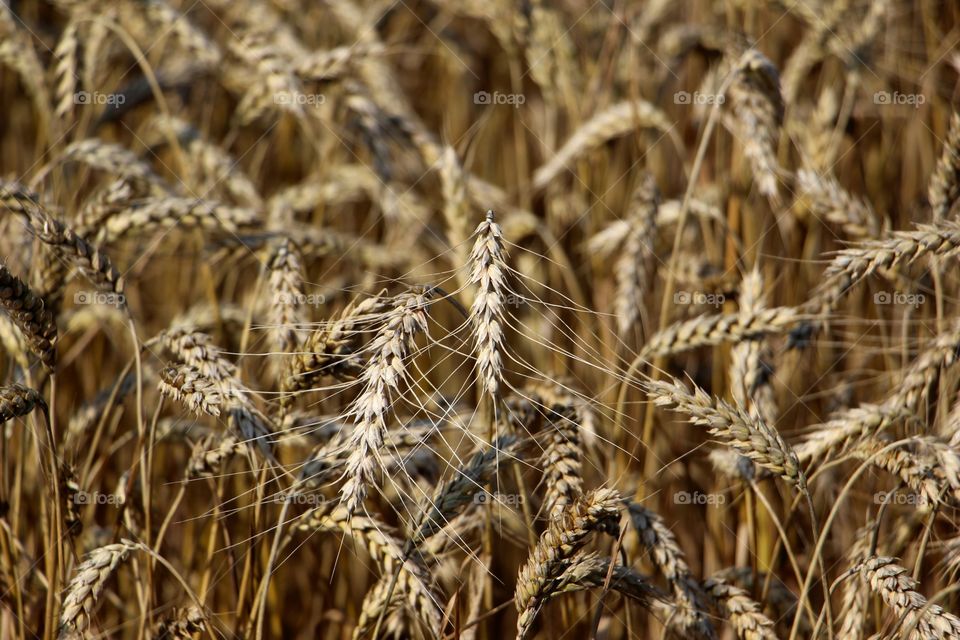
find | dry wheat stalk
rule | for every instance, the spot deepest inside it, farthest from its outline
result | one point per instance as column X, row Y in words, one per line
column 286, row 312
column 850, row 266
column 751, row 437
column 714, row 329
column 150, row 214
column 182, row 625
column 87, row 584
column 387, row 550
column 944, row 188
column 453, row 495
column 744, row 613
column 385, row 371
column 334, row 349
column 28, row 312
column 557, row 549
column 690, row 602
column 758, row 109
column 898, row 590
column 632, row 268
column 489, row 272
column 188, row 385
column 613, row 122
column 17, row 400
column 828, row 200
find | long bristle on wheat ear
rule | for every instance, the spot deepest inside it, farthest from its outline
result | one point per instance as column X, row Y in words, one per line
column 17, row 400
column 28, row 312
column 598, row 511
column 87, row 584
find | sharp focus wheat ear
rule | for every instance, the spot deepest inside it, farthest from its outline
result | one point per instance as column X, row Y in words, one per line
column 188, row 385
column 666, row 555
column 384, row 373
column 749, row 436
column 944, row 189
column 632, row 269
column 850, row 266
column 85, row 588
column 557, row 549
column 898, row 591
column 29, row 314
column 489, row 273
column 758, row 110
column 711, row 330
column 17, row 400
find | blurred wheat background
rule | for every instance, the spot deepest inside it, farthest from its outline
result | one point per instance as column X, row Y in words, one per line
column 456, row 319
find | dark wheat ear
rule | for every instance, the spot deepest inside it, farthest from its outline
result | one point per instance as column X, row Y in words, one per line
column 30, row 315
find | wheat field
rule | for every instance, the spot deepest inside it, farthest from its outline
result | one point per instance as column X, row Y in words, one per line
column 465, row 319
